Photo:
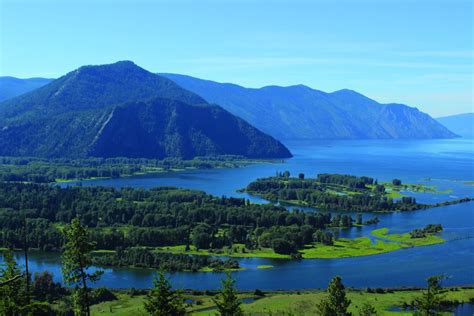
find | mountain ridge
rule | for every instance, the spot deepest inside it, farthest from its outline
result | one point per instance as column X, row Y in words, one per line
column 314, row 114
column 462, row 124
column 112, row 110
column 341, row 114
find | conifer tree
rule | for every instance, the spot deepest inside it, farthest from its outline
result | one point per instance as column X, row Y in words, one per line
column 428, row 304
column 76, row 259
column 336, row 304
column 162, row 300
column 228, row 304
column 11, row 286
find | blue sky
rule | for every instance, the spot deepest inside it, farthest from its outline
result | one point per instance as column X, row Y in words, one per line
column 415, row 52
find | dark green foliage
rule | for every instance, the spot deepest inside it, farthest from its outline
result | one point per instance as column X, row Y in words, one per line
column 102, row 294
column 319, row 193
column 373, row 220
column 158, row 217
column 259, row 292
column 345, row 180
column 44, row 288
column 122, row 110
column 162, row 300
column 76, row 259
column 429, row 303
column 228, row 304
column 283, row 246
column 367, row 310
column 323, row 237
column 429, row 229
column 336, row 304
column 397, row 182
column 145, row 258
column 12, row 294
column 41, row 170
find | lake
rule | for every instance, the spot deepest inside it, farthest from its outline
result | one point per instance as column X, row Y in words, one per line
column 448, row 164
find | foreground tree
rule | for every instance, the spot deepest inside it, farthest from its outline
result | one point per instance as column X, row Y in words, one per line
column 228, row 304
column 336, row 304
column 162, row 300
column 12, row 299
column 429, row 303
column 76, row 259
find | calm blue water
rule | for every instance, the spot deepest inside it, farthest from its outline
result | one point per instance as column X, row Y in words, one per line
column 444, row 163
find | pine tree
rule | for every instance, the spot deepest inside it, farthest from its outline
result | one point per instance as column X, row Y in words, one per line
column 336, row 304
column 428, row 304
column 76, row 259
column 11, row 286
column 162, row 300
column 227, row 301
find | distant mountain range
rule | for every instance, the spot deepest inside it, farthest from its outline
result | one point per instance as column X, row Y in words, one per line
column 461, row 124
column 123, row 110
column 299, row 112
column 11, row 87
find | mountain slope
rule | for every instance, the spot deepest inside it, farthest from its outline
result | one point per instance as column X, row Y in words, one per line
column 299, row 112
column 461, row 124
column 11, row 87
column 123, row 110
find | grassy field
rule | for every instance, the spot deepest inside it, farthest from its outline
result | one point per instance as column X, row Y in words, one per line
column 342, row 248
column 406, row 240
column 285, row 303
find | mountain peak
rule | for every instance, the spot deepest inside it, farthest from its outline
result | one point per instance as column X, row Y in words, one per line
column 123, row 110
column 123, row 67
column 97, row 86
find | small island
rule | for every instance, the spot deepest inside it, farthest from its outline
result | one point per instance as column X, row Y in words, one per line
column 342, row 192
column 326, row 246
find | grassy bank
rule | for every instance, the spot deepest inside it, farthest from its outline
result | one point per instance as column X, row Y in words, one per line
column 286, row 303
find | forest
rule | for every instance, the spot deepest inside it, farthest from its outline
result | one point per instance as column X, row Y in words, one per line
column 158, row 217
column 42, row 170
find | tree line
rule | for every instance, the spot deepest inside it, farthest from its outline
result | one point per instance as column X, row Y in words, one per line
column 42, row 170
column 154, row 218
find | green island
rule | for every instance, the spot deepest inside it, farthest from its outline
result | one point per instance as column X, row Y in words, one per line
column 141, row 257
column 343, row 193
column 340, row 248
column 59, row 170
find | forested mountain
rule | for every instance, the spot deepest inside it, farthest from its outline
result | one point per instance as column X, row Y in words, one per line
column 11, row 87
column 461, row 124
column 299, row 112
column 123, row 110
